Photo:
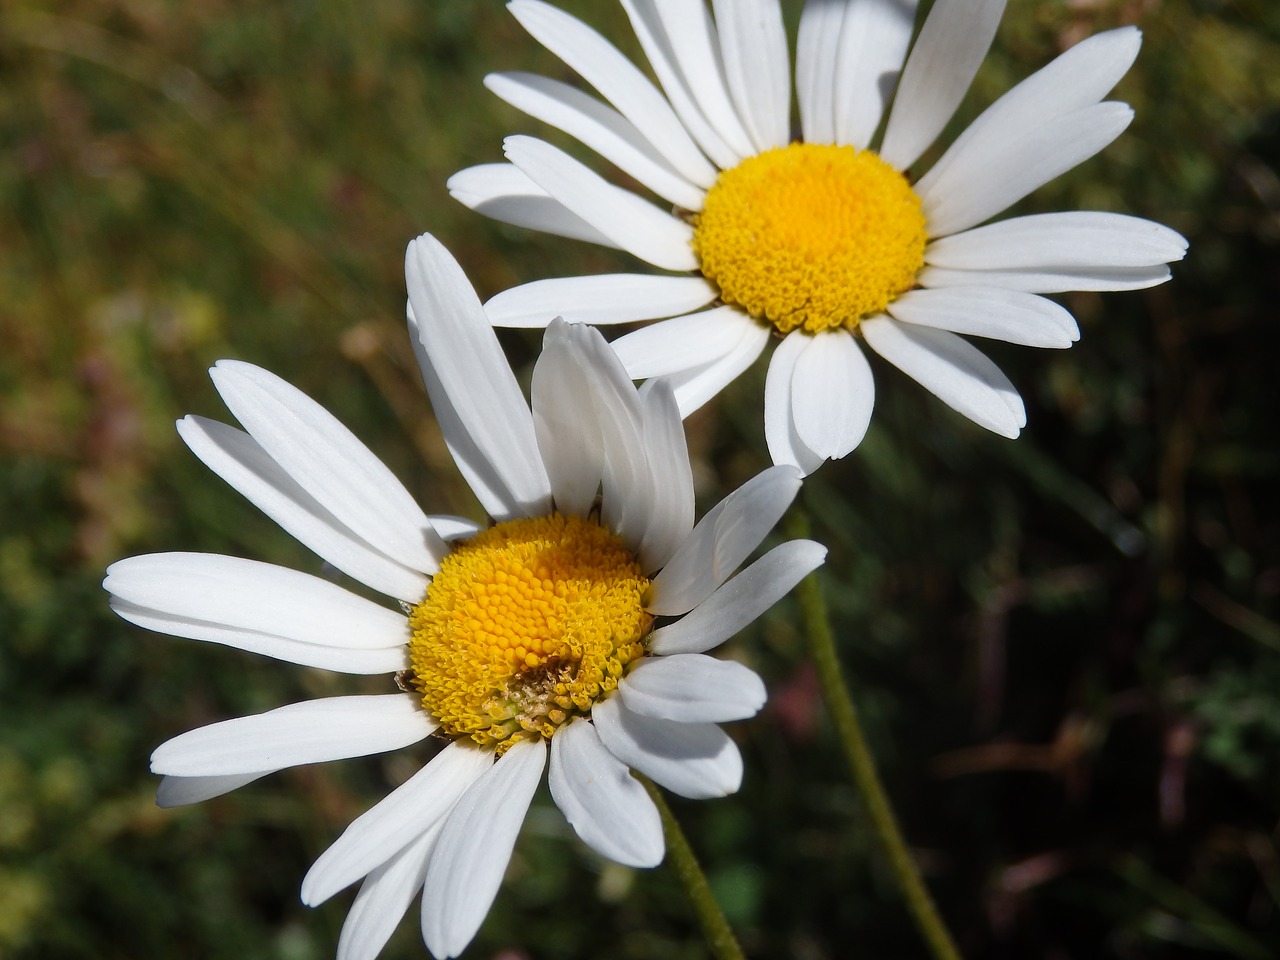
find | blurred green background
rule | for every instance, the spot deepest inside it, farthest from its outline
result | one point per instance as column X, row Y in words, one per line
column 1067, row 649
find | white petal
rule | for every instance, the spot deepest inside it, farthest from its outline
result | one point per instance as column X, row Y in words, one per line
column 327, row 461
column 670, row 476
column 873, row 45
column 985, row 174
column 383, row 899
column 626, row 501
column 628, row 495
column 607, row 298
column 999, row 314
column 467, row 374
column 474, row 849
column 681, row 343
column 599, row 63
column 692, row 688
column 606, row 806
column 1048, row 281
column 341, row 659
column 501, row 191
column 255, row 596
column 651, row 31
column 694, row 760
column 180, row 791
column 817, row 53
column 694, row 387
column 946, row 56
column 314, row 731
column 239, row 460
column 1079, row 78
column 488, row 485
column 740, row 600
column 412, row 808
column 1056, row 240
column 453, row 528
column 722, row 540
column 954, row 371
column 634, row 224
column 785, row 445
column 568, row 428
column 597, row 406
column 696, row 48
column 599, row 127
column 832, row 395
column 753, row 41
column 598, row 394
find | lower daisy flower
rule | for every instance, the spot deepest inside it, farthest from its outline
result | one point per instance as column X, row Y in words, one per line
column 573, row 630
column 830, row 242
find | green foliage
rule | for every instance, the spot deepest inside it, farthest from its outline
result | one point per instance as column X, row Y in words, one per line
column 1067, row 649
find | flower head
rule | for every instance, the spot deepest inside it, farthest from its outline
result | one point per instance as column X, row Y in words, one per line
column 573, row 629
column 828, row 241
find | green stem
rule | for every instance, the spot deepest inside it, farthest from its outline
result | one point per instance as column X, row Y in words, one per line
column 1202, row 916
column 715, row 928
column 844, row 717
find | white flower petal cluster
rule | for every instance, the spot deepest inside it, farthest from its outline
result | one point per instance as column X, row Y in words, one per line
column 723, row 96
column 450, row 829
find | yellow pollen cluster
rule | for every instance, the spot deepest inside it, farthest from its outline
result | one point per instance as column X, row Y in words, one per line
column 525, row 626
column 811, row 235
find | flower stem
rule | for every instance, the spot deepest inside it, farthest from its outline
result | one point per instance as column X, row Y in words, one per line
column 844, row 716
column 715, row 928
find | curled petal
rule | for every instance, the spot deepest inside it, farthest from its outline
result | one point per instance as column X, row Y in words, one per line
column 693, row 688
column 605, row 805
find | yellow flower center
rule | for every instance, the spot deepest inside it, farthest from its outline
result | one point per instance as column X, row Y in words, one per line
column 811, row 235
column 525, row 626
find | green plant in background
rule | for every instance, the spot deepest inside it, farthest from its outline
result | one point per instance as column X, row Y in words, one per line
column 1038, row 633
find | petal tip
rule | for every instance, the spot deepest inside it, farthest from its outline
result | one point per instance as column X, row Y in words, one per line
column 815, row 553
column 517, row 142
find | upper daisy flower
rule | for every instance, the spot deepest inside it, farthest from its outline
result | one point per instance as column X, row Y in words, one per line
column 828, row 240
column 575, row 627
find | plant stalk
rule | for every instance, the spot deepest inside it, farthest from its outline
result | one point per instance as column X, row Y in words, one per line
column 715, row 928
column 844, row 717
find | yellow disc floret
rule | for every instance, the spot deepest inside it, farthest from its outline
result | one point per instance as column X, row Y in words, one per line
column 525, row 626
column 811, row 235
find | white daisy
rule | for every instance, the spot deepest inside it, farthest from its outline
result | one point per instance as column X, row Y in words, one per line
column 827, row 240
column 576, row 626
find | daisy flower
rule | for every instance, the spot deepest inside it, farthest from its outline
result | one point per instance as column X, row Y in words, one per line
column 830, row 241
column 570, row 634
